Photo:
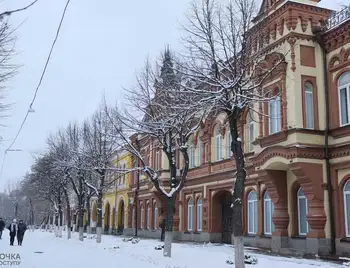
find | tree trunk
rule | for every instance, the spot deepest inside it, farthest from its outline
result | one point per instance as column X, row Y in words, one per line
column 99, row 218
column 238, row 192
column 69, row 218
column 60, row 215
column 88, row 227
column 169, row 218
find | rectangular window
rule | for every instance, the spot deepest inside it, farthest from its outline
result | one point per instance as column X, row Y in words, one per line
column 344, row 108
column 252, row 217
column 142, row 218
column 190, row 218
column 155, row 218
column 218, row 148
column 157, row 161
column 267, row 217
column 199, row 217
column 133, row 218
column 303, row 210
column 148, row 218
column 191, row 156
column 275, row 115
column 229, row 141
column 200, row 152
column 251, row 136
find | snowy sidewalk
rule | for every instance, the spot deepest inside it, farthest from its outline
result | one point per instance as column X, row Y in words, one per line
column 113, row 252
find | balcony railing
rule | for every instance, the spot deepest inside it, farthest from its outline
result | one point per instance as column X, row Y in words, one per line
column 337, row 18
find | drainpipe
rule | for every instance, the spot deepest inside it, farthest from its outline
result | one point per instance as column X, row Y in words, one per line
column 319, row 38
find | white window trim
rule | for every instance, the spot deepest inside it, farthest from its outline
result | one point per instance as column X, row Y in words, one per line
column 276, row 119
column 312, row 99
column 255, row 203
column 199, row 219
column 267, row 199
column 347, row 89
column 155, row 218
column 307, row 209
column 190, row 219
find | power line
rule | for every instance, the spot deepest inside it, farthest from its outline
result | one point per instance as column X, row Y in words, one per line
column 30, row 109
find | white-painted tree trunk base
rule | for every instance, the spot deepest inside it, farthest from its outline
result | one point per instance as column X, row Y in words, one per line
column 60, row 232
column 89, row 229
column 168, row 239
column 81, row 233
column 69, row 233
column 98, row 234
column 239, row 252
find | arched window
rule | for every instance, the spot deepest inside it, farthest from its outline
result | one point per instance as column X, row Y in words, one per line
column 269, row 227
column 190, row 215
column 133, row 218
column 275, row 115
column 344, row 98
column 303, row 208
column 199, row 214
column 252, row 213
column 347, row 207
column 155, row 217
column 218, row 144
column 251, row 133
column 148, row 217
column 142, row 218
column 309, row 105
column 228, row 145
column 200, row 152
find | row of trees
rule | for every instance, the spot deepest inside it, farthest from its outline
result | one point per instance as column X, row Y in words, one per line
column 216, row 73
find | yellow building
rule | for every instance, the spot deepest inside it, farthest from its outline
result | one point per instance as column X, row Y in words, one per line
column 115, row 199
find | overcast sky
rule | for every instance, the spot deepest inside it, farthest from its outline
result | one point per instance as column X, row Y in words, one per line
column 101, row 46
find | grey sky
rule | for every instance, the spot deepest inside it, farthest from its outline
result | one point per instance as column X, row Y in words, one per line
column 101, row 45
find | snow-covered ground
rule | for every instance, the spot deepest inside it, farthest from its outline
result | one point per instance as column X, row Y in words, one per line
column 44, row 250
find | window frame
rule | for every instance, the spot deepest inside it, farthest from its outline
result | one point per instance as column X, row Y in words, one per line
column 276, row 102
column 306, row 114
column 199, row 214
column 345, row 87
column 155, row 216
column 133, row 217
column 251, row 134
column 148, row 217
column 255, row 217
column 218, row 144
column 347, row 224
column 190, row 215
column 267, row 199
column 200, row 152
column 142, row 218
column 307, row 210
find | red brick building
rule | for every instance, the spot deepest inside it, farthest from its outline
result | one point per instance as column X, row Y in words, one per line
column 297, row 196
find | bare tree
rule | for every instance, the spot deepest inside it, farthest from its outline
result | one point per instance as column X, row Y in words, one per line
column 161, row 126
column 69, row 152
column 223, row 65
column 100, row 145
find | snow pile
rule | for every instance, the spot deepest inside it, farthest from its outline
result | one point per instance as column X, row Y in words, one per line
column 159, row 247
column 132, row 240
column 248, row 259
